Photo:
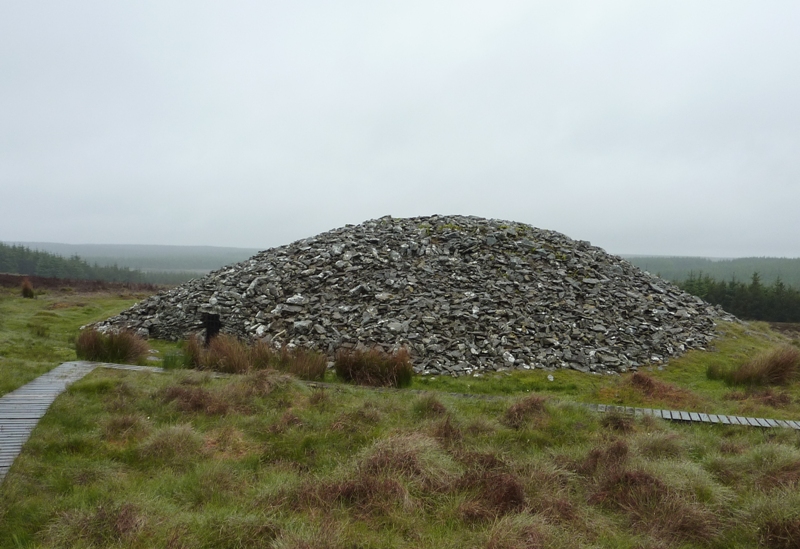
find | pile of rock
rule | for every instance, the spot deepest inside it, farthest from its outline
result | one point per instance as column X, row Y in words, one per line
column 462, row 294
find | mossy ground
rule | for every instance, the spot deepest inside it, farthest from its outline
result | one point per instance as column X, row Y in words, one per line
column 182, row 459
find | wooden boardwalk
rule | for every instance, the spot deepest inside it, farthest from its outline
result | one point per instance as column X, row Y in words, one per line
column 697, row 417
column 22, row 409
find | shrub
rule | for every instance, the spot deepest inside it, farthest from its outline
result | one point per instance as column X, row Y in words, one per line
column 124, row 347
column 374, row 367
column 27, row 288
column 779, row 366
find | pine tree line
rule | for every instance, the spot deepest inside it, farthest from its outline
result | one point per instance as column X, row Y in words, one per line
column 23, row 260
column 752, row 301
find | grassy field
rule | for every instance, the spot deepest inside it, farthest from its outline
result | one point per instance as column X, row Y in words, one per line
column 36, row 335
column 183, row 459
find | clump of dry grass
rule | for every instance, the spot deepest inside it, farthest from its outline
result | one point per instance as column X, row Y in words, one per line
column 653, row 388
column 781, row 534
column 654, row 507
column 177, row 445
column 125, row 427
column 428, row 406
column 662, row 446
column 611, row 458
column 778, row 366
column 447, row 432
column 766, row 397
column 27, row 288
column 286, row 422
column 618, row 422
column 368, row 493
column 226, row 353
column 351, row 422
column 518, row 414
column 122, row 346
column 374, row 367
column 195, row 399
column 494, row 494
column 106, row 525
column 786, row 475
column 516, row 532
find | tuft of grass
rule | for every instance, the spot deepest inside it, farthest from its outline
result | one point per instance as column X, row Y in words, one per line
column 618, row 422
column 777, row 366
column 226, row 353
column 27, row 288
column 173, row 445
column 124, row 347
column 495, row 494
column 105, row 525
column 374, row 367
column 39, row 330
column 369, row 493
column 428, row 406
column 781, row 533
column 517, row 532
column 195, row 399
column 518, row 414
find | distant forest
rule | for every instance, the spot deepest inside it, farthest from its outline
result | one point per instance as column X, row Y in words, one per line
column 677, row 269
column 23, row 260
column 752, row 301
column 148, row 258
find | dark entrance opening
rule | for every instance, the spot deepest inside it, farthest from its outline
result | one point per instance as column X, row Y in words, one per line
column 212, row 324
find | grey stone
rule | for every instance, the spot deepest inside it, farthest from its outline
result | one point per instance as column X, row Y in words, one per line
column 462, row 294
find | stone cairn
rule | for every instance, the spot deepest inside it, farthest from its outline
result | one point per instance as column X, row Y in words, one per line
column 464, row 295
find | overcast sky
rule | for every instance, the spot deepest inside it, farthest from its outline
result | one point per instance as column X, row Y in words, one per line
column 646, row 127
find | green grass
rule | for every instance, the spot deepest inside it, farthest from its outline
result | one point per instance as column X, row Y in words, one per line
column 121, row 461
column 38, row 334
column 184, row 459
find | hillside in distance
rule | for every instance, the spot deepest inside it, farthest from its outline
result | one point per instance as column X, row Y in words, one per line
column 149, row 258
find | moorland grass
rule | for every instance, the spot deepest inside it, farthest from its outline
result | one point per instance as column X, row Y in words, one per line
column 36, row 335
column 141, row 460
column 116, row 347
column 185, row 459
column 226, row 353
column 374, row 367
column 777, row 366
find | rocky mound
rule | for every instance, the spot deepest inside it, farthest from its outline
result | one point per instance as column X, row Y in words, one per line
column 462, row 294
